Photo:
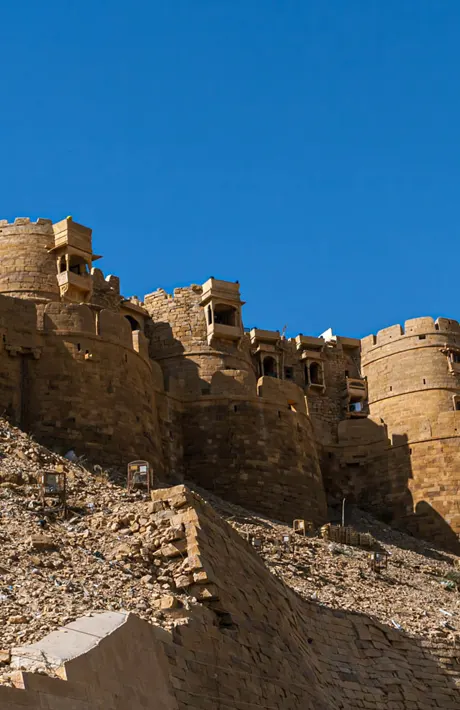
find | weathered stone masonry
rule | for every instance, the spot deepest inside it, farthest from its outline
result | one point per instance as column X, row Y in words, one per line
column 279, row 424
column 250, row 642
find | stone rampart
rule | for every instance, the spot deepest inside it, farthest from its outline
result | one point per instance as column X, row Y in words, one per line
column 79, row 380
column 178, row 338
column 255, row 452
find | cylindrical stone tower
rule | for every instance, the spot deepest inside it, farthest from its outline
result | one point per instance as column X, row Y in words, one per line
column 197, row 333
column 413, row 376
column 27, row 268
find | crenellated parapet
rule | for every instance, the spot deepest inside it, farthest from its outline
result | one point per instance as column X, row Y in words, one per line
column 419, row 362
column 42, row 261
column 396, row 338
column 26, row 268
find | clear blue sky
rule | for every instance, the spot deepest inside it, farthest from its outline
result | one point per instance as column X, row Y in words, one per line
column 308, row 148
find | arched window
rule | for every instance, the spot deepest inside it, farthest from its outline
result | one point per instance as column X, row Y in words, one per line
column 315, row 372
column 135, row 325
column 270, row 368
column 225, row 315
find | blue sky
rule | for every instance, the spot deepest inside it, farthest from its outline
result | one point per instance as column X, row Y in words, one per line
column 308, row 148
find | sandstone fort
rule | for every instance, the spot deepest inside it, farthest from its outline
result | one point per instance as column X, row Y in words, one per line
column 201, row 597
column 285, row 426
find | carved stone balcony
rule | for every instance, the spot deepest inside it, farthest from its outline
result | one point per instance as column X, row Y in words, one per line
column 228, row 332
column 356, row 388
column 75, row 287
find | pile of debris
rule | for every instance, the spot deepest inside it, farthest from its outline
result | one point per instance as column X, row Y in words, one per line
column 418, row 591
column 117, row 550
column 113, row 550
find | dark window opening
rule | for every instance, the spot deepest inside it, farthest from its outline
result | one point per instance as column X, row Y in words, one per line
column 288, row 373
column 135, row 325
column 78, row 347
column 224, row 315
column 355, row 407
column 424, row 382
column 391, row 388
column 77, row 265
column 209, row 315
column 457, row 405
column 316, row 374
column 347, row 373
column 455, row 357
column 422, row 337
column 270, row 369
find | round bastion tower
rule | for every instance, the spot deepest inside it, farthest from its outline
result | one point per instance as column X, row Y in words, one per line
column 27, row 268
column 413, row 376
column 198, row 335
column 41, row 261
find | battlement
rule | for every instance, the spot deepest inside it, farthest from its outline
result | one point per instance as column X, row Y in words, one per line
column 24, row 221
column 413, row 327
column 161, row 295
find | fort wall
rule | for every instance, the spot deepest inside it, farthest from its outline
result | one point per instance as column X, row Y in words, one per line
column 77, row 382
column 264, row 420
column 244, row 439
column 258, row 452
column 178, row 337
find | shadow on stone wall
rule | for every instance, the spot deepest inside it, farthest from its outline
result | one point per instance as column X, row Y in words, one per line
column 181, row 374
column 374, row 473
column 427, row 523
column 249, row 642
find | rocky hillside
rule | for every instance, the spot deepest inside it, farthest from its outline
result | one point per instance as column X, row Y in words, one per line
column 117, row 551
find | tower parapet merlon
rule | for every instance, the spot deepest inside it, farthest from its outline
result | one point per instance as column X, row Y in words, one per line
column 21, row 221
column 413, row 327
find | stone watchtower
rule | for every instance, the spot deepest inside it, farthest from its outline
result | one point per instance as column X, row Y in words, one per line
column 413, row 376
column 42, row 261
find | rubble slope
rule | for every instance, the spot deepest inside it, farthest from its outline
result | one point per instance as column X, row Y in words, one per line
column 166, row 558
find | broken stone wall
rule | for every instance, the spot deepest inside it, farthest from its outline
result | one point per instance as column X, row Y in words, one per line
column 250, row 641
